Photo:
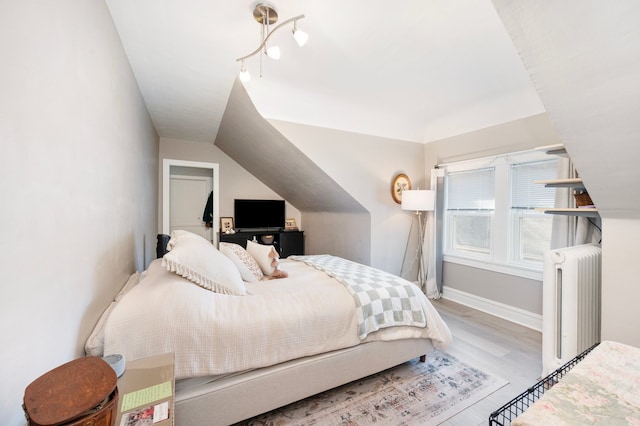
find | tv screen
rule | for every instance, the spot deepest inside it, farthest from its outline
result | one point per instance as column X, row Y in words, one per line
column 258, row 214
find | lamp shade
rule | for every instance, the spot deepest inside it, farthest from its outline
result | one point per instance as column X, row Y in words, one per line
column 244, row 75
column 273, row 52
column 300, row 36
column 418, row 199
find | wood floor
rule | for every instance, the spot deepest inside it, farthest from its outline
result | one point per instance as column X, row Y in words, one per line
column 496, row 346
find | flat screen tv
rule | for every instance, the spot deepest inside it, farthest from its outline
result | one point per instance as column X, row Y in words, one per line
column 251, row 214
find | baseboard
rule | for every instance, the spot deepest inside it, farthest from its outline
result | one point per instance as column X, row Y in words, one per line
column 500, row 310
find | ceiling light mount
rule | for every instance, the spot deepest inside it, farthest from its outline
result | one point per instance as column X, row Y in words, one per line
column 266, row 15
column 265, row 12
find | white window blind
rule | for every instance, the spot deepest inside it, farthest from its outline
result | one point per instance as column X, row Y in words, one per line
column 525, row 193
column 470, row 205
column 471, row 190
column 532, row 230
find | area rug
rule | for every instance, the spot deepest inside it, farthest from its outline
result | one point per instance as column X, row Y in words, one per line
column 413, row 393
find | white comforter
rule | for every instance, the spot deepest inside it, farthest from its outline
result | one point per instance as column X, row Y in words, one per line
column 210, row 333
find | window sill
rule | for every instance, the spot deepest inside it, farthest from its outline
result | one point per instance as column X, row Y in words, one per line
column 519, row 271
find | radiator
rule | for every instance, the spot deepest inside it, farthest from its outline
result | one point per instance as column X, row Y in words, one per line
column 570, row 303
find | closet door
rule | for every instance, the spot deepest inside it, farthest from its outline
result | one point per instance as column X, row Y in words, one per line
column 187, row 200
column 186, row 186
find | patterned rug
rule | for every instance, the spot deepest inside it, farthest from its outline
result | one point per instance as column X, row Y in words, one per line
column 414, row 393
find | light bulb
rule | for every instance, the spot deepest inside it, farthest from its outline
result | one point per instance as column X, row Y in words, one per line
column 300, row 36
column 244, row 75
column 273, row 52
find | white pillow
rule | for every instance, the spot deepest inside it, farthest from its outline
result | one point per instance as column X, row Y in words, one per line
column 249, row 269
column 179, row 234
column 95, row 343
column 133, row 280
column 200, row 262
column 266, row 256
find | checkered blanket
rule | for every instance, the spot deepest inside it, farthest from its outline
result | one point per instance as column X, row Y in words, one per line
column 382, row 299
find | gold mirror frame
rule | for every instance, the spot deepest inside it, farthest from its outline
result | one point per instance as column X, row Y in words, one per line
column 400, row 183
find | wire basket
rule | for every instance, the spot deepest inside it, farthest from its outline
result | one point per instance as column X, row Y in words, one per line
column 583, row 199
column 518, row 405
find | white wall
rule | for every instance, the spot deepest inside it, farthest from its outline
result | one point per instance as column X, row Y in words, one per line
column 78, row 167
column 365, row 166
column 235, row 181
column 620, row 292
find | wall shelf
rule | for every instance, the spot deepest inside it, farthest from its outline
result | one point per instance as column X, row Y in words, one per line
column 574, row 183
column 577, row 211
column 562, row 183
column 558, row 150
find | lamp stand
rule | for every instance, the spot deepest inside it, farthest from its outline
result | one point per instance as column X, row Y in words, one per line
column 421, row 269
column 419, row 201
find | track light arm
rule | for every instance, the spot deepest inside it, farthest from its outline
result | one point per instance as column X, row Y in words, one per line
column 264, row 42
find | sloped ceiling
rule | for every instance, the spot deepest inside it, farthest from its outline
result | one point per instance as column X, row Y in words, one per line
column 413, row 70
column 257, row 146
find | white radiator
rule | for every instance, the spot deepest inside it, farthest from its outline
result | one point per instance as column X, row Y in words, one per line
column 570, row 303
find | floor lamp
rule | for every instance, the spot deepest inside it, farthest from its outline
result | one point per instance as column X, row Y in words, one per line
column 419, row 201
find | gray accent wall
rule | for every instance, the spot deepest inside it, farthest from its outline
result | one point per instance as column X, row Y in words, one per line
column 365, row 166
column 511, row 290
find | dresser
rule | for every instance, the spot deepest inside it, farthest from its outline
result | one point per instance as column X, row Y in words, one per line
column 286, row 242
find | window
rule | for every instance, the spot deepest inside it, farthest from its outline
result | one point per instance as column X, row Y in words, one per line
column 470, row 206
column 490, row 218
column 531, row 229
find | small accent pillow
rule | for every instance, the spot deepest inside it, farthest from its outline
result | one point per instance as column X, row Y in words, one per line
column 249, row 269
column 266, row 256
column 200, row 262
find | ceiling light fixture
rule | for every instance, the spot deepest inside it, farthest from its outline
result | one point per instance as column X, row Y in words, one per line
column 266, row 15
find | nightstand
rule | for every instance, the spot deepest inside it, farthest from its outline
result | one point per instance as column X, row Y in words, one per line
column 147, row 388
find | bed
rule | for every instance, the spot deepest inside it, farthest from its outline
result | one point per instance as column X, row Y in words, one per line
column 251, row 332
column 603, row 388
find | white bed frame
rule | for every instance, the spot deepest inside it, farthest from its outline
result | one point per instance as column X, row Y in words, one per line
column 239, row 397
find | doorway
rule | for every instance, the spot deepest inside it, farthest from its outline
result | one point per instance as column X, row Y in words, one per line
column 186, row 186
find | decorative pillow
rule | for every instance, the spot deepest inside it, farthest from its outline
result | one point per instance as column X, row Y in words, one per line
column 200, row 262
column 249, row 269
column 266, row 256
column 179, row 234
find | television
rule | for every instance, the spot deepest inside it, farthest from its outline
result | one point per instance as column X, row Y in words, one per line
column 261, row 214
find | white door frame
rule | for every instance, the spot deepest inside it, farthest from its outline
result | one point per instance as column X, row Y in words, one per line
column 166, row 175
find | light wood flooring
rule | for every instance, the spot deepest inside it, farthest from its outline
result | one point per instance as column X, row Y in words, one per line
column 495, row 346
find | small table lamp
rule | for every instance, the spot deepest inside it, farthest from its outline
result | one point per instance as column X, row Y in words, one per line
column 419, row 200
